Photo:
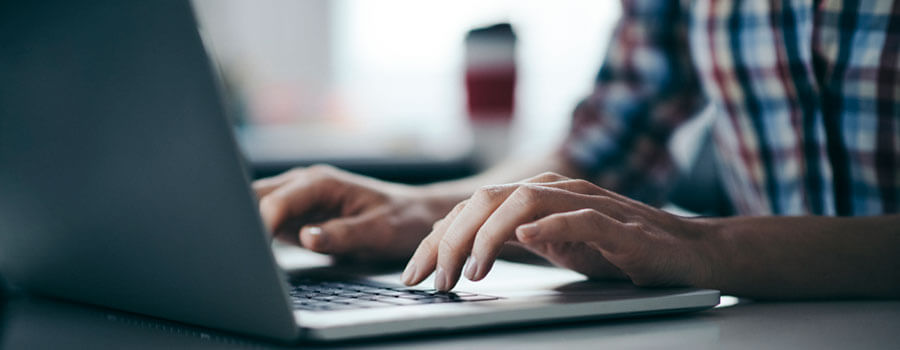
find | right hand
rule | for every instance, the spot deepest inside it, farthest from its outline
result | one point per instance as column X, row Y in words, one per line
column 331, row 211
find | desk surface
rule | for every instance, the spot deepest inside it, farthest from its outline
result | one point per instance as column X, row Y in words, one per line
column 33, row 323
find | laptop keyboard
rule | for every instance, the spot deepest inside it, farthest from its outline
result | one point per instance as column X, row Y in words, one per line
column 316, row 295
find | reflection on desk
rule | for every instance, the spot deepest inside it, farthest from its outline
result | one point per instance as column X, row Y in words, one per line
column 36, row 323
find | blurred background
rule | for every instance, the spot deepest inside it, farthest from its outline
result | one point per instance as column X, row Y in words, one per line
column 406, row 90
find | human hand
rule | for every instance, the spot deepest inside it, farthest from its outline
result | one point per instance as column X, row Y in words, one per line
column 331, row 211
column 572, row 223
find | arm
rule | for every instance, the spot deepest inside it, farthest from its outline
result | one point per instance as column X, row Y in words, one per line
column 602, row 234
column 805, row 257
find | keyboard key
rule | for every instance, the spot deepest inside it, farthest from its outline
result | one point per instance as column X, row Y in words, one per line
column 325, row 296
column 389, row 292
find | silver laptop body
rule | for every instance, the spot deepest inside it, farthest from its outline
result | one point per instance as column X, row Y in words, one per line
column 121, row 186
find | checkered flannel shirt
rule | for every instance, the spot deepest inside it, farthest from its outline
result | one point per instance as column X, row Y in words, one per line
column 806, row 96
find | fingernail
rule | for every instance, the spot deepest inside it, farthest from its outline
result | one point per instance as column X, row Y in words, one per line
column 409, row 272
column 528, row 231
column 319, row 236
column 440, row 280
column 471, row 268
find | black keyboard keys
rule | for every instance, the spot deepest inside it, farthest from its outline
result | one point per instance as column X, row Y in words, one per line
column 316, row 295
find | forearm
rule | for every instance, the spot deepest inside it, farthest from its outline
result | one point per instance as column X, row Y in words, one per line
column 804, row 257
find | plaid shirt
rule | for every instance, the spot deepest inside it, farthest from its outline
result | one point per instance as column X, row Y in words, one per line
column 806, row 96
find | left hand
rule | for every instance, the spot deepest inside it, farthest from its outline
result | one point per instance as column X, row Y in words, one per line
column 572, row 223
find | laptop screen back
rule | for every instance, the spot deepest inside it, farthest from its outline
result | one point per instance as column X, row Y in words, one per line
column 120, row 182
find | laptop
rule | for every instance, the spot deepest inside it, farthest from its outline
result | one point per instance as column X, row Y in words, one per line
column 121, row 186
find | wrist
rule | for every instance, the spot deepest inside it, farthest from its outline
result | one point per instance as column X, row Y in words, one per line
column 436, row 199
column 711, row 249
column 441, row 197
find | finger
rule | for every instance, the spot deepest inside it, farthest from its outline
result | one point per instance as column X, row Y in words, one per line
column 297, row 197
column 545, row 177
column 467, row 230
column 524, row 205
column 264, row 186
column 575, row 185
column 456, row 242
column 424, row 258
column 584, row 225
column 577, row 256
column 345, row 235
column 608, row 202
column 586, row 187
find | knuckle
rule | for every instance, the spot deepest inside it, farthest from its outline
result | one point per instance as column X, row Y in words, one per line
column 273, row 207
column 446, row 247
column 604, row 199
column 637, row 226
column 589, row 218
column 591, row 214
column 295, row 171
column 563, row 223
column 426, row 246
column 259, row 184
column 490, row 193
column 271, row 202
column 337, row 229
column 325, row 181
column 320, row 169
column 458, row 208
column 608, row 204
column 583, row 184
column 527, row 195
column 488, row 238
column 548, row 176
column 595, row 218
column 437, row 224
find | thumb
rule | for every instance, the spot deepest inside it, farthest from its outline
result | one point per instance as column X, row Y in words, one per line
column 345, row 235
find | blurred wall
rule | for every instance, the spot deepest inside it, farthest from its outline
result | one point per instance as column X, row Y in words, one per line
column 277, row 53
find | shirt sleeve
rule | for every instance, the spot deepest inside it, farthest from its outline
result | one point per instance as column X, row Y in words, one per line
column 646, row 87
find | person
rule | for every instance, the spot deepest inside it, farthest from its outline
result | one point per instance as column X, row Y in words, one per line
column 806, row 96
